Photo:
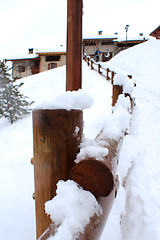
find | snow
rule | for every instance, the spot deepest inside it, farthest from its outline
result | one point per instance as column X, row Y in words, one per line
column 59, row 49
column 22, row 56
column 79, row 205
column 121, row 79
column 78, row 100
column 136, row 210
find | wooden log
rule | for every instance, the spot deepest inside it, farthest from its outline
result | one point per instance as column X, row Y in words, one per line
column 99, row 178
column 117, row 90
column 94, row 229
column 74, row 45
column 56, row 138
column 96, row 225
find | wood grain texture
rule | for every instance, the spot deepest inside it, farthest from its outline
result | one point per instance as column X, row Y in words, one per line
column 56, row 144
column 74, row 45
column 117, row 90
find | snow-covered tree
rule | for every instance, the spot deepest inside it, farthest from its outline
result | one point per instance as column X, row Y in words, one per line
column 13, row 104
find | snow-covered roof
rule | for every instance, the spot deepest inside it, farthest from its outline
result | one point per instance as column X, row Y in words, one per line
column 123, row 39
column 22, row 56
column 113, row 36
column 60, row 49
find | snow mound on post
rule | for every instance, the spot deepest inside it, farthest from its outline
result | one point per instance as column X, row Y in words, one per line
column 72, row 209
column 122, row 80
column 78, row 100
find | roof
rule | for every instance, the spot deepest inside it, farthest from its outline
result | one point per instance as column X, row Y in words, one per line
column 156, row 32
column 100, row 37
column 131, row 39
column 49, row 51
column 114, row 38
column 23, row 57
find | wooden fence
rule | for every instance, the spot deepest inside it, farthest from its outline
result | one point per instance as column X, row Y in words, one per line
column 55, row 149
column 109, row 75
column 106, row 72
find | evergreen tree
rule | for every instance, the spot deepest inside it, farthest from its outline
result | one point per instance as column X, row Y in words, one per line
column 13, row 104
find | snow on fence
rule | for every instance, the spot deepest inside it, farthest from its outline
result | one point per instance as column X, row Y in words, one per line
column 109, row 75
column 84, row 170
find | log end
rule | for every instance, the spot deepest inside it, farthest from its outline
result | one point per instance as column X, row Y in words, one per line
column 94, row 176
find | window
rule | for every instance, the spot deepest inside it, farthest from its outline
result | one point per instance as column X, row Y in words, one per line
column 52, row 58
column 21, row 68
column 52, row 65
column 90, row 43
column 107, row 43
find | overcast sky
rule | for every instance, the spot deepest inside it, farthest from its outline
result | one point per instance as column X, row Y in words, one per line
column 35, row 23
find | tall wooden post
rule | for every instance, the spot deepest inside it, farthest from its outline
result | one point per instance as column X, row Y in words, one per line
column 117, row 90
column 74, row 45
column 56, row 143
column 55, row 137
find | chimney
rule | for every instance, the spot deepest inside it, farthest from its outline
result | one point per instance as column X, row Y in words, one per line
column 100, row 32
column 30, row 50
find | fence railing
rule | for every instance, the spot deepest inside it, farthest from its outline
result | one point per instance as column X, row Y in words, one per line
column 109, row 75
column 53, row 132
column 106, row 72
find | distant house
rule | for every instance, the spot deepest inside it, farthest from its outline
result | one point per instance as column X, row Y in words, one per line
column 104, row 42
column 156, row 33
column 41, row 60
column 108, row 43
column 51, row 58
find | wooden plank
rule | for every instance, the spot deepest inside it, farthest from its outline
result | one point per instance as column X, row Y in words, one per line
column 74, row 45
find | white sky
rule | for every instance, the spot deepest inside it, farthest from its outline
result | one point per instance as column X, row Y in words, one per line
column 35, row 23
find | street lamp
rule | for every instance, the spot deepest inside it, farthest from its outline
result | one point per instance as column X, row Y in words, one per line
column 127, row 26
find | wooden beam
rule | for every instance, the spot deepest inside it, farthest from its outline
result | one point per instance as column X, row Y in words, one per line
column 74, row 45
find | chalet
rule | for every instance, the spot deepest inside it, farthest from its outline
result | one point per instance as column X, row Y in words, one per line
column 25, row 65
column 108, row 43
column 156, row 33
column 51, row 58
column 39, row 61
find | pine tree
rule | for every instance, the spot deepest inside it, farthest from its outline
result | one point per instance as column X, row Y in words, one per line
column 13, row 104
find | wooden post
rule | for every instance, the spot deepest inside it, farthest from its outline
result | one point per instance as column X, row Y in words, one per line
column 88, row 60
column 112, row 77
column 92, row 64
column 56, row 138
column 117, row 90
column 107, row 74
column 74, row 45
column 99, row 68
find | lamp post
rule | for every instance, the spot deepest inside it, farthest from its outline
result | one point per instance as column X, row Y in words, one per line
column 126, row 27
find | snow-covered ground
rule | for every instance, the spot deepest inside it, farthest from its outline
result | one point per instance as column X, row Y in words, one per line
column 136, row 211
